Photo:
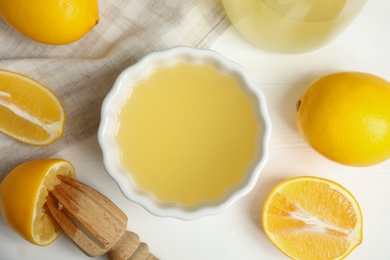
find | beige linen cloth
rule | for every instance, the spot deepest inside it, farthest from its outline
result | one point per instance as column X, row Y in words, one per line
column 82, row 73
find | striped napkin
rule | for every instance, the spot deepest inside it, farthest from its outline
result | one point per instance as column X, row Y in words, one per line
column 82, row 73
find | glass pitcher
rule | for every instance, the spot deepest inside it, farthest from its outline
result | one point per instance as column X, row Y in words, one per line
column 291, row 25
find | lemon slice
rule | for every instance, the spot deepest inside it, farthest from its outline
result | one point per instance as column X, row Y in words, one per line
column 23, row 195
column 29, row 111
column 312, row 218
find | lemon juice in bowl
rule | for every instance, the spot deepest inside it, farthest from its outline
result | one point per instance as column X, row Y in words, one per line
column 187, row 133
column 291, row 25
column 184, row 133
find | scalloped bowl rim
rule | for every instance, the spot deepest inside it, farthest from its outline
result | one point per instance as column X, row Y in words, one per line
column 109, row 120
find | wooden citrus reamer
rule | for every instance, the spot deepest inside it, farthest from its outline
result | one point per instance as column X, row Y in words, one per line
column 94, row 223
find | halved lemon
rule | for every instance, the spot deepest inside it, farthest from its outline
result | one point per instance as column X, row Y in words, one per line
column 312, row 218
column 23, row 195
column 29, row 111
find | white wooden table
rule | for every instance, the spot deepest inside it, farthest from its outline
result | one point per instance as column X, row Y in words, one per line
column 237, row 233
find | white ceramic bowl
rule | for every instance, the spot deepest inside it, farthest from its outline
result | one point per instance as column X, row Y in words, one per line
column 109, row 122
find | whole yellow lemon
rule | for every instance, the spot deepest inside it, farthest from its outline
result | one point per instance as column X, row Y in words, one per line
column 346, row 117
column 51, row 22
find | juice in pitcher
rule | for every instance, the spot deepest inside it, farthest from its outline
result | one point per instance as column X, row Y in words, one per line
column 291, row 25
